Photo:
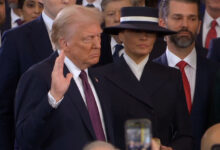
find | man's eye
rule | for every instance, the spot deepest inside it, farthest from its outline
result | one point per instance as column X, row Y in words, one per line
column 30, row 5
column 176, row 18
column 88, row 39
column 193, row 19
column 110, row 14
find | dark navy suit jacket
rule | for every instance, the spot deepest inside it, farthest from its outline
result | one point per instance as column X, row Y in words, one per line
column 39, row 126
column 214, row 50
column 21, row 48
column 159, row 96
column 205, row 75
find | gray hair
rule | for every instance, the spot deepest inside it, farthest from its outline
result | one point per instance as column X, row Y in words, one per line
column 73, row 15
column 99, row 144
column 165, row 4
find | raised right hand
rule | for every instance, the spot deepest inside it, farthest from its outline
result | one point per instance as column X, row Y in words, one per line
column 59, row 83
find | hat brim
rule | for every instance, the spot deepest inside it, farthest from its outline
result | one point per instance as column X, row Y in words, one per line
column 160, row 31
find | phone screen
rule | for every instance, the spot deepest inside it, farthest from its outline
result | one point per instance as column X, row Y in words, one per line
column 138, row 134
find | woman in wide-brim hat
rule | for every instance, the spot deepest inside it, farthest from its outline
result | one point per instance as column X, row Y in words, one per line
column 140, row 88
column 138, row 20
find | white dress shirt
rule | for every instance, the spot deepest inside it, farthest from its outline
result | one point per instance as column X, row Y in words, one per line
column 113, row 44
column 76, row 72
column 137, row 69
column 207, row 20
column 96, row 3
column 14, row 17
column 190, row 69
column 49, row 23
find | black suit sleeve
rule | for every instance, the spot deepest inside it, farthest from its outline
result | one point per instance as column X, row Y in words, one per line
column 32, row 110
column 9, row 75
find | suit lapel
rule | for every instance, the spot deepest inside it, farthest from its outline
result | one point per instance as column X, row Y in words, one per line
column 151, row 78
column 76, row 99
column 121, row 74
column 42, row 47
column 164, row 59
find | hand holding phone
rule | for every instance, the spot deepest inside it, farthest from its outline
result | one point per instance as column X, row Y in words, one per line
column 138, row 134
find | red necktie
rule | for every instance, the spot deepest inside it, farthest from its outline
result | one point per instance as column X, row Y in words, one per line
column 186, row 85
column 92, row 107
column 211, row 34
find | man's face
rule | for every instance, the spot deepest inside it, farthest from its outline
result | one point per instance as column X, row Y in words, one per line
column 138, row 44
column 83, row 47
column 213, row 4
column 182, row 18
column 2, row 12
column 52, row 7
column 112, row 12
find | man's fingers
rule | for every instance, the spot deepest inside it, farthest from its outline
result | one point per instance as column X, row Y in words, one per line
column 59, row 63
column 69, row 77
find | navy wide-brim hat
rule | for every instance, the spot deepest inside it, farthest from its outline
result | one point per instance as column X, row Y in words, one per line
column 139, row 18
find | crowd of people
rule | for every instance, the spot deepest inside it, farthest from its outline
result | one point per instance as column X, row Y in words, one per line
column 72, row 72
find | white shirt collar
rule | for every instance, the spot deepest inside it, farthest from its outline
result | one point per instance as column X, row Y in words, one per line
column 172, row 59
column 48, row 21
column 113, row 43
column 14, row 17
column 137, row 69
column 96, row 3
column 208, row 20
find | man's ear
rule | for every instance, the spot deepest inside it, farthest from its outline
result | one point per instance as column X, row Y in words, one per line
column 162, row 22
column 63, row 44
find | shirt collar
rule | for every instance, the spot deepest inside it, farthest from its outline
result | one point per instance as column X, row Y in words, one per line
column 208, row 20
column 48, row 21
column 137, row 69
column 96, row 3
column 113, row 43
column 172, row 59
column 14, row 16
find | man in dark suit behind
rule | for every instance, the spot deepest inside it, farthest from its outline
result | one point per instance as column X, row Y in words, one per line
column 59, row 102
column 208, row 17
column 21, row 48
column 214, row 50
column 111, row 12
column 140, row 88
column 197, row 73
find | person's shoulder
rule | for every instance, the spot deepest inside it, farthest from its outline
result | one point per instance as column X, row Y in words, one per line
column 43, row 68
column 164, row 68
column 104, row 69
column 207, row 64
column 23, row 29
column 215, row 42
